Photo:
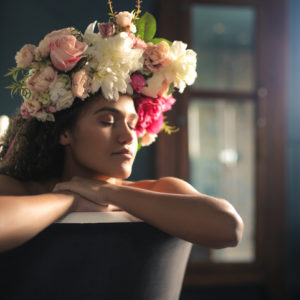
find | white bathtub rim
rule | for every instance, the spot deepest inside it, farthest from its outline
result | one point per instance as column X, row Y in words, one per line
column 98, row 217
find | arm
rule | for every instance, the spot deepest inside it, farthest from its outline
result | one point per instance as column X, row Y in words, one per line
column 22, row 216
column 171, row 205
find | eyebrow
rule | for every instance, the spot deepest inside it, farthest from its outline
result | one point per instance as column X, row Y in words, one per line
column 116, row 111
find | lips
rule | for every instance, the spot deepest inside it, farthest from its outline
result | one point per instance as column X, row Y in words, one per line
column 124, row 152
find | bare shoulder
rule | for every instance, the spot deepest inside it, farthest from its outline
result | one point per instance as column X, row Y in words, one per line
column 12, row 186
column 166, row 185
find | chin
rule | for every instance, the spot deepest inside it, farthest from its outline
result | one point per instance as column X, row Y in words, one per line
column 121, row 174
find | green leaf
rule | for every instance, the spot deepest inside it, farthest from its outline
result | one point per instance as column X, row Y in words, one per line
column 170, row 90
column 146, row 27
column 139, row 146
column 158, row 40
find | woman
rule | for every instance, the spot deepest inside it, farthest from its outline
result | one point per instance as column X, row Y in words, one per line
column 63, row 154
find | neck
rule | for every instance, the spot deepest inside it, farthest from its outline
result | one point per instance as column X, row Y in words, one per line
column 72, row 169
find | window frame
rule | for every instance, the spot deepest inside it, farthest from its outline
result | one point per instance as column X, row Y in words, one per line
column 270, row 97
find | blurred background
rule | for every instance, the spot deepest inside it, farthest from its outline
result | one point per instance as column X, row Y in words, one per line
column 239, row 135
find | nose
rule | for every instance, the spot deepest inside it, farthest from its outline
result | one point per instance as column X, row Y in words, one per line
column 126, row 134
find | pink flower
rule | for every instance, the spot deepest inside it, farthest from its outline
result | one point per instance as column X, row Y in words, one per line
column 42, row 79
column 81, row 82
column 124, row 18
column 50, row 108
column 166, row 103
column 150, row 116
column 25, row 56
column 137, row 82
column 137, row 42
column 29, row 108
column 44, row 45
column 156, row 56
column 150, row 112
column 106, row 29
column 65, row 52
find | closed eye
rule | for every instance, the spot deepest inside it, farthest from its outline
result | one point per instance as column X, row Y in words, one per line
column 108, row 123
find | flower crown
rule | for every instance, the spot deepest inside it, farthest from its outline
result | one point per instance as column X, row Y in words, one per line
column 122, row 57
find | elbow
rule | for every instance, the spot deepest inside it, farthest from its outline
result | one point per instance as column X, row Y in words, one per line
column 234, row 229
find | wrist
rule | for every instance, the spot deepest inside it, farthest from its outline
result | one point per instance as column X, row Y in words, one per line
column 107, row 194
column 69, row 198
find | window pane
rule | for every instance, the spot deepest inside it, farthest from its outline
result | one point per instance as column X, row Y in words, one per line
column 223, row 38
column 221, row 138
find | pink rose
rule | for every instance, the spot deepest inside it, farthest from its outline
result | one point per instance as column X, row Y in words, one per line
column 25, row 56
column 81, row 84
column 124, row 18
column 30, row 107
column 65, row 52
column 137, row 82
column 106, row 29
column 44, row 45
column 42, row 79
column 156, row 56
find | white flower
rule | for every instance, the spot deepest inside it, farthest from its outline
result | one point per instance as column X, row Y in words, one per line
column 113, row 61
column 148, row 139
column 44, row 116
column 182, row 69
column 154, row 85
column 132, row 28
column 60, row 96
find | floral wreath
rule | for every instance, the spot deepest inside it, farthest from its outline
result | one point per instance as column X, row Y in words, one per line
column 122, row 57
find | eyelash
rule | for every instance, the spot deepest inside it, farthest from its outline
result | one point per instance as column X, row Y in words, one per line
column 113, row 123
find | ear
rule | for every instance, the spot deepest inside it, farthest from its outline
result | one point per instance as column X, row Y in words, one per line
column 65, row 138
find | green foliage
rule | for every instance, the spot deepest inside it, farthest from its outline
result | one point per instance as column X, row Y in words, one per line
column 158, row 40
column 170, row 90
column 19, row 86
column 139, row 146
column 146, row 27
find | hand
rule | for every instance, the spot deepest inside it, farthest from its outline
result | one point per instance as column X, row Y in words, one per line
column 88, row 189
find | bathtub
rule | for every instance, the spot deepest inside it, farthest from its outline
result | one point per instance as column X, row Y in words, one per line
column 103, row 256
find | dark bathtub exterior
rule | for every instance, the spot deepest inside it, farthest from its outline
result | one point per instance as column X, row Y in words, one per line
column 116, row 261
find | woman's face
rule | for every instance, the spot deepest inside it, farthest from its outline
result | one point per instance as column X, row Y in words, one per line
column 103, row 143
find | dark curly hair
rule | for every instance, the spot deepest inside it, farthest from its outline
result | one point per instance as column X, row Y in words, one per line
column 37, row 154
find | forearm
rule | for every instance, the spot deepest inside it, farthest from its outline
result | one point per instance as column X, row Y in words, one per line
column 22, row 217
column 200, row 219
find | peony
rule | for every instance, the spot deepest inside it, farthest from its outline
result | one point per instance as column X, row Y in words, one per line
column 106, row 29
column 150, row 112
column 113, row 60
column 137, row 82
column 65, row 52
column 124, row 18
column 81, row 82
column 182, row 69
column 42, row 79
column 25, row 56
column 44, row 46
column 156, row 56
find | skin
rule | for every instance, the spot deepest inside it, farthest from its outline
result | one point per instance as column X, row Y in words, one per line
column 99, row 154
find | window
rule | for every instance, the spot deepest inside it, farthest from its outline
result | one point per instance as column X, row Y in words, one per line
column 231, row 139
